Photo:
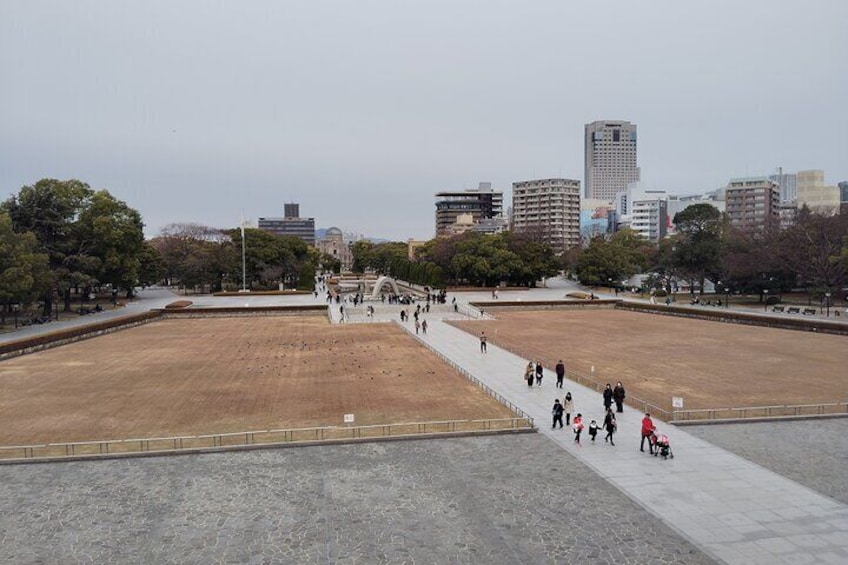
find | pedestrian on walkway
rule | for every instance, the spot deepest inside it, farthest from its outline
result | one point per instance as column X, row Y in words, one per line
column 647, row 429
column 341, row 313
column 568, row 406
column 610, row 425
column 557, row 413
column 417, row 325
column 483, row 342
column 539, row 372
column 424, row 326
column 618, row 396
column 560, row 373
column 608, row 397
column 593, row 430
column 529, row 372
column 577, row 427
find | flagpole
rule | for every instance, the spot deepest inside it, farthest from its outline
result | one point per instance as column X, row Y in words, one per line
column 243, row 258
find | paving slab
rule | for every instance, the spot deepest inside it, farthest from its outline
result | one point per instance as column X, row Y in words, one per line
column 693, row 492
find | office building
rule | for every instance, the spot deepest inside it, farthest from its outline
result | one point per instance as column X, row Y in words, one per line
column 788, row 183
column 550, row 209
column 815, row 195
column 752, row 203
column 290, row 224
column 482, row 203
column 643, row 210
column 610, row 158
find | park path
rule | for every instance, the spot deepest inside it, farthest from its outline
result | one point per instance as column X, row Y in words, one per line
column 735, row 510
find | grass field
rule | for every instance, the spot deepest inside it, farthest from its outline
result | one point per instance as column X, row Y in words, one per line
column 219, row 375
column 709, row 364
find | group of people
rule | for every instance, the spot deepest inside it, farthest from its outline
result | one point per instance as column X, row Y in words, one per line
column 616, row 395
column 566, row 407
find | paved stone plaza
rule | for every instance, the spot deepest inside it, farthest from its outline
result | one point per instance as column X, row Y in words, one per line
column 500, row 499
column 811, row 452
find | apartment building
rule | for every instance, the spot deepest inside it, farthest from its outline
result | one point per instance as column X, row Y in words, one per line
column 752, row 203
column 549, row 208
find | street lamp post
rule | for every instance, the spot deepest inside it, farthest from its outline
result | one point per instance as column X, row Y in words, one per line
column 765, row 300
column 827, row 297
column 727, row 299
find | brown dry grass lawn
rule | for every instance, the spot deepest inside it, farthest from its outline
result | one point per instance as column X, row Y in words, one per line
column 710, row 364
column 216, row 375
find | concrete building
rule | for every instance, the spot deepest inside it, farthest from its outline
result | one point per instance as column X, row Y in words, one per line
column 610, row 158
column 482, row 203
column 788, row 183
column 643, row 210
column 677, row 204
column 813, row 193
column 333, row 243
column 290, row 224
column 752, row 203
column 549, row 208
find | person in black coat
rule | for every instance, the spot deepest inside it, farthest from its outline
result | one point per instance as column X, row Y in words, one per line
column 560, row 373
column 608, row 397
column 557, row 411
column 618, row 396
column 610, row 425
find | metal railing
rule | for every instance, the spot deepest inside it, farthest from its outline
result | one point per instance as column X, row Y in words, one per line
column 480, row 384
column 747, row 412
column 257, row 437
column 589, row 382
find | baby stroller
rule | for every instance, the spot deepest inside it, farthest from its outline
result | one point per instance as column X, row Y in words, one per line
column 662, row 446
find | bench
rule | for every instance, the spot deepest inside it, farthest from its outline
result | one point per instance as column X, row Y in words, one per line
column 777, row 309
column 794, row 310
column 809, row 311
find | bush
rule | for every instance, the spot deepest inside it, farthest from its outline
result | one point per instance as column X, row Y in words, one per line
column 773, row 300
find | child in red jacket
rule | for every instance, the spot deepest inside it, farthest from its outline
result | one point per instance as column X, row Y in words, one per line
column 578, row 427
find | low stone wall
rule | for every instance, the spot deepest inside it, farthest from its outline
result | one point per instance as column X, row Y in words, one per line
column 242, row 311
column 71, row 335
column 262, row 293
column 781, row 321
column 511, row 305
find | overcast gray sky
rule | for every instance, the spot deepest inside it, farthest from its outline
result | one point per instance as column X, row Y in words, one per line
column 362, row 110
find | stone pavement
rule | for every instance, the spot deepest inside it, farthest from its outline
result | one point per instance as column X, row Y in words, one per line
column 475, row 500
column 732, row 508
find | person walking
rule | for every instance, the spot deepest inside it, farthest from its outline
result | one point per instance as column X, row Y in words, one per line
column 424, row 327
column 578, row 427
column 417, row 325
column 647, row 429
column 609, row 425
column 618, row 396
column 557, row 414
column 568, row 406
column 539, row 372
column 483, row 342
column 560, row 373
column 593, row 430
column 529, row 373
column 608, row 397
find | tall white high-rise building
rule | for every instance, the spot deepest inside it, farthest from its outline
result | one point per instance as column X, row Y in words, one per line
column 610, row 158
column 549, row 209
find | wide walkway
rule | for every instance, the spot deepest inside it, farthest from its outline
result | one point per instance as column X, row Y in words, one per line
column 737, row 511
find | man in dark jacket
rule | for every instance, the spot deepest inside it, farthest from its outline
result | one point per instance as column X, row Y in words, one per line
column 560, row 373
column 557, row 413
column 608, row 397
column 618, row 396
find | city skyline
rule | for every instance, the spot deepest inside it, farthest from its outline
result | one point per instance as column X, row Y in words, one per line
column 195, row 113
